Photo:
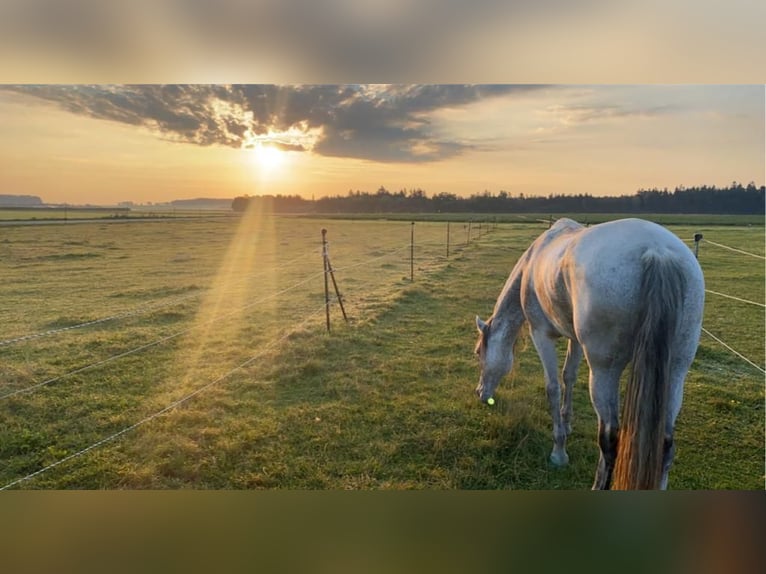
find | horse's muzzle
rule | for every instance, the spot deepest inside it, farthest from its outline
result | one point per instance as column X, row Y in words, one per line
column 482, row 393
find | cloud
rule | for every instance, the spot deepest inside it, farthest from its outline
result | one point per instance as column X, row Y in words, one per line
column 374, row 122
column 577, row 114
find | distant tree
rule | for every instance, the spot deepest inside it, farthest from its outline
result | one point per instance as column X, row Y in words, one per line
column 703, row 199
column 20, row 200
column 240, row 204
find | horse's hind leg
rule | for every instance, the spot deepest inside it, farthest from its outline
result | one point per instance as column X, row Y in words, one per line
column 675, row 393
column 607, row 444
column 569, row 375
column 667, row 459
column 546, row 349
column 604, row 394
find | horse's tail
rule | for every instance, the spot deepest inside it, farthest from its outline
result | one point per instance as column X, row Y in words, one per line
column 641, row 440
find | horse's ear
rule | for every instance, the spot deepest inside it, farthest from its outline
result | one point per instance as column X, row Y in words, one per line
column 482, row 326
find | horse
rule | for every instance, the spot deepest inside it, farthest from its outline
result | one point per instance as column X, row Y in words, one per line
column 625, row 291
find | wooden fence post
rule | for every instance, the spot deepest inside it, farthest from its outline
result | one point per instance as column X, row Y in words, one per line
column 337, row 291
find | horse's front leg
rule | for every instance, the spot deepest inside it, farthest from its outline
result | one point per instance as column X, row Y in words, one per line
column 569, row 375
column 546, row 349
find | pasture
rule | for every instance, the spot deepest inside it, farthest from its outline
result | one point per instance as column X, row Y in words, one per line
column 193, row 354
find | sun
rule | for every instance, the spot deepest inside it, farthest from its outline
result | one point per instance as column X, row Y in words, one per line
column 267, row 158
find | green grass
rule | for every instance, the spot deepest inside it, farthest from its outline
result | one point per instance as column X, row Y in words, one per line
column 384, row 402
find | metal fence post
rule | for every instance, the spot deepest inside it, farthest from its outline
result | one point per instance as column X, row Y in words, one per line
column 697, row 239
column 326, row 270
column 448, row 240
column 412, row 252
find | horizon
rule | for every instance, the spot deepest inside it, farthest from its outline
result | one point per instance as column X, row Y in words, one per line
column 103, row 145
column 128, row 203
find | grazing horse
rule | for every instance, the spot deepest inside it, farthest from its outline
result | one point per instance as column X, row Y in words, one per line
column 627, row 291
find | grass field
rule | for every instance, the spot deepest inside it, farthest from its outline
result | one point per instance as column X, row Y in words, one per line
column 205, row 362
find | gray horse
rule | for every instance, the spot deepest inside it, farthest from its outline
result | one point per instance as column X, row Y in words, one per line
column 623, row 291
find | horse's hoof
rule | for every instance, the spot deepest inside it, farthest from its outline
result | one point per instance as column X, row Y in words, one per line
column 559, row 459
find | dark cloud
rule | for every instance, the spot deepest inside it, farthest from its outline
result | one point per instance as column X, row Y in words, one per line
column 380, row 123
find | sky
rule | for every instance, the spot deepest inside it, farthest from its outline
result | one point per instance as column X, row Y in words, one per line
column 105, row 144
column 427, row 41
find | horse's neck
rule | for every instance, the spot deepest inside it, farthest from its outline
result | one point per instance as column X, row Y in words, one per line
column 508, row 315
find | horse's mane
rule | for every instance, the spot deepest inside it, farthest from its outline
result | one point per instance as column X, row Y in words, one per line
column 509, row 300
column 510, row 297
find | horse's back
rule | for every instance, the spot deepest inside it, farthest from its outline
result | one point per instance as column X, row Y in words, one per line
column 607, row 263
column 610, row 257
column 623, row 238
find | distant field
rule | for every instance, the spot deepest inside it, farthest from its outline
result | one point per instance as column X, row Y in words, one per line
column 8, row 214
column 196, row 350
column 538, row 218
column 60, row 213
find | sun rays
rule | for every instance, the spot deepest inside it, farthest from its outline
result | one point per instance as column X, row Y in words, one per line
column 239, row 284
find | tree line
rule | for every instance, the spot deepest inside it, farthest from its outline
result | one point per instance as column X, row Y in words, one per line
column 734, row 199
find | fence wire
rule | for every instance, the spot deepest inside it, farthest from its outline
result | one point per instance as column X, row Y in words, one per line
column 168, row 408
column 144, row 309
column 160, row 340
column 734, row 249
column 740, row 355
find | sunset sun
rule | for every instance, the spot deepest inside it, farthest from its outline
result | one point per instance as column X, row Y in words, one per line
column 268, row 159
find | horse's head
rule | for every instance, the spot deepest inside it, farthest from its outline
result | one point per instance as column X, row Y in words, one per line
column 495, row 358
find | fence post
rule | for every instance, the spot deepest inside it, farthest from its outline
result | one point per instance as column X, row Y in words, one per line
column 326, row 289
column 328, row 271
column 337, row 291
column 412, row 252
column 697, row 239
column 448, row 240
column 468, row 240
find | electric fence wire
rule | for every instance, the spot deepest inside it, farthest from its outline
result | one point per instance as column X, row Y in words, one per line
column 168, row 408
